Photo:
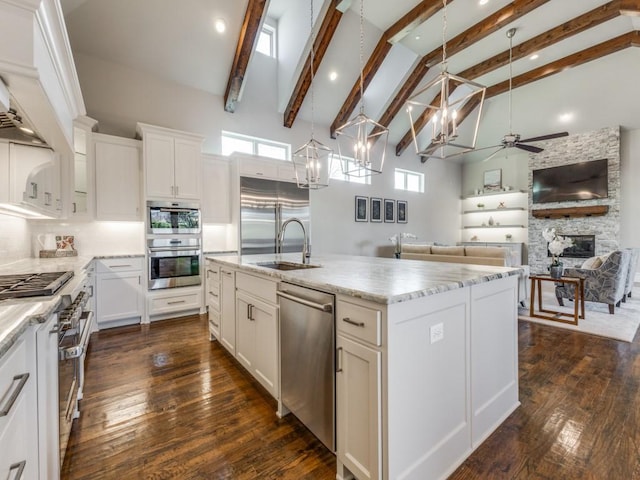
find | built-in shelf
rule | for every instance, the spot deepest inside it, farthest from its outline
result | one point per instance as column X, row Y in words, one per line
column 483, row 210
column 571, row 212
column 489, row 194
column 494, row 226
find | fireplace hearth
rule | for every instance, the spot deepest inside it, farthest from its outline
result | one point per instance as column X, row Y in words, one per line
column 584, row 246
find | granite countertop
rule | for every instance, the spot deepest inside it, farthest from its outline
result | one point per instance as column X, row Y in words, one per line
column 380, row 280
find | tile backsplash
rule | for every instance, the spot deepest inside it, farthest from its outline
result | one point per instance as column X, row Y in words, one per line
column 15, row 239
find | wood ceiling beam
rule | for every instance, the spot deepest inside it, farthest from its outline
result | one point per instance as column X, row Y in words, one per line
column 253, row 18
column 579, row 58
column 574, row 26
column 320, row 45
column 419, row 14
column 480, row 30
column 630, row 8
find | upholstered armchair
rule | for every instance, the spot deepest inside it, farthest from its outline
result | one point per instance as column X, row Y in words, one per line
column 605, row 284
column 633, row 265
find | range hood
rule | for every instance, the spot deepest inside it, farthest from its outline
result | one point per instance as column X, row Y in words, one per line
column 15, row 128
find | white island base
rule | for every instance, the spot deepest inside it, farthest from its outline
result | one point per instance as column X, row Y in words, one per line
column 441, row 379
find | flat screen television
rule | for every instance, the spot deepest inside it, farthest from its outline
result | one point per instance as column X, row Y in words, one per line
column 577, row 181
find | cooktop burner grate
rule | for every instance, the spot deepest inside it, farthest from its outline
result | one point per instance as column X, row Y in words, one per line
column 32, row 284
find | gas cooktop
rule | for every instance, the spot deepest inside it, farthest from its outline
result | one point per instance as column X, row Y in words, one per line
column 32, row 284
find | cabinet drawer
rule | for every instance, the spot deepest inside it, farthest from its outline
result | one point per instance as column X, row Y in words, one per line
column 111, row 265
column 214, row 323
column 258, row 287
column 213, row 297
column 213, row 272
column 13, row 367
column 358, row 321
column 15, row 443
column 175, row 303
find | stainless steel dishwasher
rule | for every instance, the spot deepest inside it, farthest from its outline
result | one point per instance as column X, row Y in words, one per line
column 307, row 358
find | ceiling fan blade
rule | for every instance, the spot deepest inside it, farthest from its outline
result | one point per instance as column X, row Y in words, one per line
column 494, row 153
column 529, row 148
column 551, row 136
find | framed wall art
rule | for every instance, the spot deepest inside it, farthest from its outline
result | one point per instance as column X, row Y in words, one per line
column 389, row 210
column 493, row 180
column 361, row 208
column 375, row 211
column 402, row 211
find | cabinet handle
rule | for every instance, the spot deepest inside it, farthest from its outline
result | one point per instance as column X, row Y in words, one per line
column 215, row 324
column 250, row 312
column 176, row 302
column 353, row 322
column 339, row 360
column 228, row 274
column 47, row 198
column 214, row 294
column 91, row 288
column 18, row 468
column 120, row 266
column 34, row 190
column 22, row 379
column 75, row 207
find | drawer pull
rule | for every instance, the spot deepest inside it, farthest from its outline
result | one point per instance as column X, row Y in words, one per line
column 120, row 266
column 18, row 468
column 339, row 360
column 353, row 322
column 21, row 379
column 214, row 324
column 228, row 274
column 214, row 294
column 176, row 302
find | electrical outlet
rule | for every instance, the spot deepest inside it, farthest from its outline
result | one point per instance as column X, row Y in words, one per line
column 436, row 332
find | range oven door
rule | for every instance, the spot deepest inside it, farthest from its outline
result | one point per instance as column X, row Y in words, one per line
column 174, row 266
column 69, row 351
column 173, row 218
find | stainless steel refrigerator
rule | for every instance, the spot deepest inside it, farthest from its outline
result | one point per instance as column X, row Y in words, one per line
column 264, row 206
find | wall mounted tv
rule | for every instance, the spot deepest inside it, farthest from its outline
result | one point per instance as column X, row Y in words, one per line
column 577, row 181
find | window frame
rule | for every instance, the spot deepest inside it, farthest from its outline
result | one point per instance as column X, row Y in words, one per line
column 337, row 159
column 271, row 32
column 256, row 142
column 406, row 174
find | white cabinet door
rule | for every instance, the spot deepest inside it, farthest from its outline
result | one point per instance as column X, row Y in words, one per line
column 188, row 169
column 257, row 341
column 228, row 310
column 216, row 192
column 358, row 408
column 47, row 368
column 118, row 179
column 119, row 298
column 34, row 177
column 159, row 165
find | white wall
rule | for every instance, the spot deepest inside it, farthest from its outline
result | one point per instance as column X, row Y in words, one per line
column 15, row 239
column 630, row 188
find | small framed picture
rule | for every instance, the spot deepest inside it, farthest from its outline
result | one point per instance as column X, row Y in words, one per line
column 402, row 211
column 361, row 208
column 493, row 180
column 375, row 214
column 389, row 210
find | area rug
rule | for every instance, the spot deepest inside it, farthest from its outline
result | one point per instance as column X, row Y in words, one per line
column 622, row 325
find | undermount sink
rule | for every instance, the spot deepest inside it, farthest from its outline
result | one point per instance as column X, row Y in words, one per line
column 286, row 265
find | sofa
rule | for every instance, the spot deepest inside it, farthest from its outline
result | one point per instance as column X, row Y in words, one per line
column 604, row 277
column 496, row 256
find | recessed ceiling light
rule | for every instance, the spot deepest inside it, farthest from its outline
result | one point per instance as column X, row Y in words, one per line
column 483, row 2
column 221, row 25
column 333, row 76
column 535, row 56
column 566, row 117
column 417, row 37
column 26, row 130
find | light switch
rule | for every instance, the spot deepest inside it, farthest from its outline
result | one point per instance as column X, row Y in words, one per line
column 436, row 332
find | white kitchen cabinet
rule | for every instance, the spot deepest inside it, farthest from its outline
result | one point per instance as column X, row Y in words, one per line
column 81, row 170
column 119, row 292
column 117, row 167
column 212, row 293
column 47, row 368
column 171, row 302
column 228, row 309
column 358, row 390
column 172, row 163
column 19, row 410
column 257, row 342
column 216, row 192
column 264, row 167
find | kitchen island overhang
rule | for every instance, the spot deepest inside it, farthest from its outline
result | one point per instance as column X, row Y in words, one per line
column 441, row 376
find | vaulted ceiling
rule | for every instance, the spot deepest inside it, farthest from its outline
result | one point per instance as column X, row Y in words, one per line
column 584, row 75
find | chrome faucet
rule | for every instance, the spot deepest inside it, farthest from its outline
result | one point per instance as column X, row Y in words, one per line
column 306, row 254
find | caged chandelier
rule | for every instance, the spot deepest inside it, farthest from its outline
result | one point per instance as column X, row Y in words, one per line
column 446, row 100
column 362, row 142
column 312, row 161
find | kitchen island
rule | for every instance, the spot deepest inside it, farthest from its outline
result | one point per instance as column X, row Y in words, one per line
column 426, row 353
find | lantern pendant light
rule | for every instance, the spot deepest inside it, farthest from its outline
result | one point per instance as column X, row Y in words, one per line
column 312, row 161
column 362, row 142
column 445, row 98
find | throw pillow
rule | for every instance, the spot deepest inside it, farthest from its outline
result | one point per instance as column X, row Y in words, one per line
column 592, row 263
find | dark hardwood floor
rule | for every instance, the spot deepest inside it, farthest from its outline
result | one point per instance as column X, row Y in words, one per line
column 162, row 402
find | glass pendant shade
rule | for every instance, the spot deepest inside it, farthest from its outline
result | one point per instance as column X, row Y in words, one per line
column 444, row 100
column 362, row 144
column 312, row 163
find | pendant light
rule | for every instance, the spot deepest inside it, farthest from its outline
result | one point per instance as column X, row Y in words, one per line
column 443, row 98
column 362, row 142
column 312, row 161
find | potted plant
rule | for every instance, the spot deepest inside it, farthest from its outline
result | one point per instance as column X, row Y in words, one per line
column 557, row 244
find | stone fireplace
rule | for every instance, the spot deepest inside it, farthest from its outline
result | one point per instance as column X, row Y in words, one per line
column 603, row 229
column 584, row 246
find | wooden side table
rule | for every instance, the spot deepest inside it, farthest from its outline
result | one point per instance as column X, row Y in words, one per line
column 548, row 314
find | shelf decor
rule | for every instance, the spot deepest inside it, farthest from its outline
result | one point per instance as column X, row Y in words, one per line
column 361, row 208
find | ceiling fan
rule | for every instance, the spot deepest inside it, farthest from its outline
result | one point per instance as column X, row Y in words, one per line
column 513, row 140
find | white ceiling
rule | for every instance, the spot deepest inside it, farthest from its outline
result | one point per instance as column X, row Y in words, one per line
column 176, row 41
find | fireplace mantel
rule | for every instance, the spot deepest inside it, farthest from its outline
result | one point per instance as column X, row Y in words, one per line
column 571, row 212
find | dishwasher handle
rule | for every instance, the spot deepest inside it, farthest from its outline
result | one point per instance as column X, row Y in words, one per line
column 324, row 307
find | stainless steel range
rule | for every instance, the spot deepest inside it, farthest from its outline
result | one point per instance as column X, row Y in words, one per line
column 73, row 328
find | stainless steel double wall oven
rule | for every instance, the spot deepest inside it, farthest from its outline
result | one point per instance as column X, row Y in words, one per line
column 174, row 249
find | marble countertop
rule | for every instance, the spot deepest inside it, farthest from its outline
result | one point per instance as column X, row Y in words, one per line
column 380, row 280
